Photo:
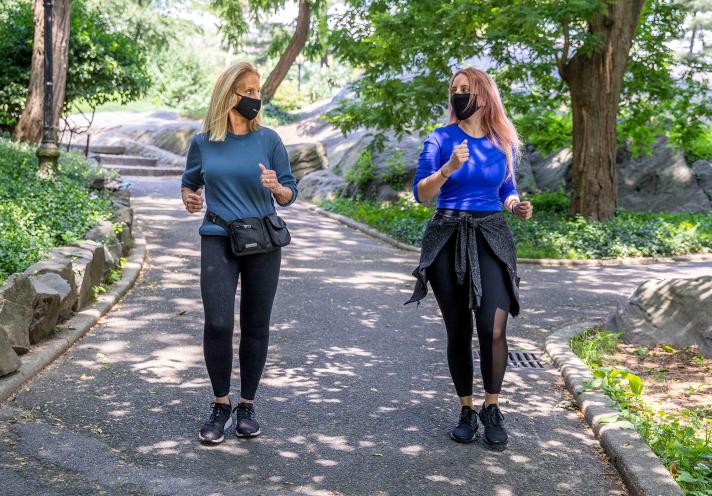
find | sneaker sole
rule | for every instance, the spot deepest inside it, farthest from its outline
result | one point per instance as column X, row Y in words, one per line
column 495, row 447
column 254, row 434
column 211, row 441
column 221, row 438
column 463, row 441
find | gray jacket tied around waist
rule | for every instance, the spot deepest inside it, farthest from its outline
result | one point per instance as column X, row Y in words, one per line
column 495, row 231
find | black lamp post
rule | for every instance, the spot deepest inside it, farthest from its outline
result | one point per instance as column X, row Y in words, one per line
column 48, row 153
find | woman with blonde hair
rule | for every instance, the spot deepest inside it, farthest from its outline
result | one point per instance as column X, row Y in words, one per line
column 243, row 167
column 468, row 252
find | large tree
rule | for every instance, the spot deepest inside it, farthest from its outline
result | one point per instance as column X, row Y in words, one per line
column 29, row 127
column 103, row 65
column 591, row 66
column 303, row 38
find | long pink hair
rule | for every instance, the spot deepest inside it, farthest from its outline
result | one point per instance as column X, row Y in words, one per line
column 497, row 126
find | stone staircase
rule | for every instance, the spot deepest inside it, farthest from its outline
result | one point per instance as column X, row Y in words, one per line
column 115, row 158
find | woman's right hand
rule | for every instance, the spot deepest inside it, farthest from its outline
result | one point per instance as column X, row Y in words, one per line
column 193, row 200
column 459, row 156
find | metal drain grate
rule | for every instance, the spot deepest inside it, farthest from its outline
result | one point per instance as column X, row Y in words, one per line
column 522, row 359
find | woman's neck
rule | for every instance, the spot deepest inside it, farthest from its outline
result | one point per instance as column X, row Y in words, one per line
column 472, row 127
column 237, row 124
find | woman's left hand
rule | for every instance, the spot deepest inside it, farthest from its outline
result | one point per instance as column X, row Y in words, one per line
column 268, row 179
column 523, row 209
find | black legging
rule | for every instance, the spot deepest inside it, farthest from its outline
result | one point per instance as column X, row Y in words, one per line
column 219, row 273
column 490, row 317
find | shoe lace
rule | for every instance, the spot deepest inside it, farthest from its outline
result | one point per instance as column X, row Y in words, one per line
column 245, row 412
column 495, row 416
column 216, row 413
column 466, row 417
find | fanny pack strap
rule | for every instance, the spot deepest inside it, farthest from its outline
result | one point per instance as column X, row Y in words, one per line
column 216, row 219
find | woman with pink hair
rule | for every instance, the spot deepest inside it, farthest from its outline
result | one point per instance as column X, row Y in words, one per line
column 468, row 252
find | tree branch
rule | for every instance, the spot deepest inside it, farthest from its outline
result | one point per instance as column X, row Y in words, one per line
column 562, row 61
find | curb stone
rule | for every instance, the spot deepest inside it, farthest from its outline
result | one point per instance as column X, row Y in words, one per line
column 547, row 262
column 639, row 467
column 71, row 330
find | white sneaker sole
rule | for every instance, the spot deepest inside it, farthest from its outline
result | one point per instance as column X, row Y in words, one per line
column 221, row 438
column 238, row 434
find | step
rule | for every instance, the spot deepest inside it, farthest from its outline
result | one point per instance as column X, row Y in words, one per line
column 126, row 160
column 94, row 149
column 140, row 170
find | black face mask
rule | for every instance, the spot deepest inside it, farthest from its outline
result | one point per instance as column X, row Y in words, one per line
column 248, row 107
column 459, row 104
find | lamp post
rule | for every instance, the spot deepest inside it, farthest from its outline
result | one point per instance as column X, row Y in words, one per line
column 300, row 62
column 48, row 153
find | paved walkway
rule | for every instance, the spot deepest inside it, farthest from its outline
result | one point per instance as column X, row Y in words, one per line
column 356, row 397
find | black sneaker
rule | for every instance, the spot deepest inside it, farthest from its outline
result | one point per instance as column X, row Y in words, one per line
column 466, row 427
column 246, row 419
column 493, row 420
column 213, row 430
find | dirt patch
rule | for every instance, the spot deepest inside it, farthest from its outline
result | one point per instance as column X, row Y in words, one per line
column 674, row 379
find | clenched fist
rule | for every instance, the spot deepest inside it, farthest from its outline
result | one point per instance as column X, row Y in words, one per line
column 523, row 209
column 268, row 179
column 193, row 200
column 459, row 156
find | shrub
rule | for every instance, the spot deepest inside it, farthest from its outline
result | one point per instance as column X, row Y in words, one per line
column 554, row 235
column 394, row 171
column 363, row 171
column 38, row 214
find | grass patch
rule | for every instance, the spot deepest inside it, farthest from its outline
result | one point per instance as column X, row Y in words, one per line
column 681, row 439
column 592, row 345
column 551, row 233
column 38, row 214
column 404, row 220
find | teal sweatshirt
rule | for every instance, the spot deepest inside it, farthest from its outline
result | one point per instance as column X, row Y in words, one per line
column 229, row 173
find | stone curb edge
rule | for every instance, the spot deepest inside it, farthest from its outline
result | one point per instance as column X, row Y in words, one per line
column 639, row 467
column 548, row 262
column 50, row 349
column 361, row 227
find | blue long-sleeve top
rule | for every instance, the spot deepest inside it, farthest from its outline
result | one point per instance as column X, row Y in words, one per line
column 481, row 182
column 230, row 174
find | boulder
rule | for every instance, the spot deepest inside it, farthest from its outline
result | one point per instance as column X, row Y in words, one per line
column 525, row 181
column 385, row 192
column 124, row 214
column 9, row 361
column 703, row 172
column 16, row 309
column 676, row 312
column 52, row 300
column 306, row 158
column 164, row 158
column 552, row 172
column 171, row 135
column 125, row 238
column 87, row 266
column 61, row 267
column 96, row 251
column 320, row 185
column 662, row 182
column 104, row 233
column 121, row 198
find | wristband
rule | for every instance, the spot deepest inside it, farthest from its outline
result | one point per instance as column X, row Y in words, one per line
column 512, row 207
column 442, row 174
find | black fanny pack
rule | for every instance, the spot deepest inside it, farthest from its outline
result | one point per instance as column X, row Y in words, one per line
column 253, row 235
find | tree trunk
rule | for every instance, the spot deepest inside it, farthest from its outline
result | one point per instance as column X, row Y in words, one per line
column 296, row 44
column 595, row 82
column 29, row 127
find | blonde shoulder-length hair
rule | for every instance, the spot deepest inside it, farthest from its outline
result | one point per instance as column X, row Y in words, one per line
column 497, row 126
column 224, row 97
